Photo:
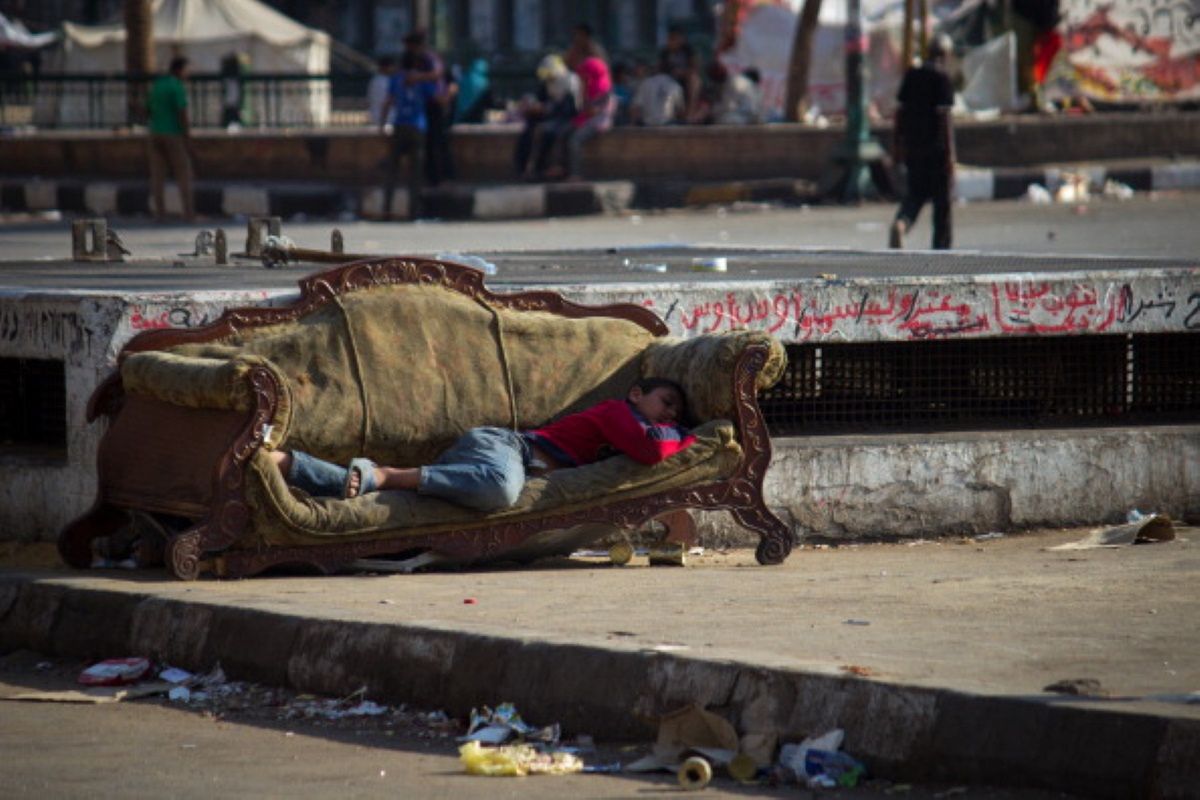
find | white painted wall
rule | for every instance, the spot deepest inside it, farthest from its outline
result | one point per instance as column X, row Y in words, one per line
column 894, row 486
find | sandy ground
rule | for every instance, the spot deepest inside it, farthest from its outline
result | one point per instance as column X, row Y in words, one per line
column 256, row 745
column 1002, row 616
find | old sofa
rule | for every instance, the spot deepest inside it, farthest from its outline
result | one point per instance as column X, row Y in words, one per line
column 393, row 358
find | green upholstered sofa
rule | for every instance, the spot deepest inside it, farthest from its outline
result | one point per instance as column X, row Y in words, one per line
column 393, row 358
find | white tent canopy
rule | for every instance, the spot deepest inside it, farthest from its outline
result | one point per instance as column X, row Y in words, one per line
column 205, row 32
column 14, row 34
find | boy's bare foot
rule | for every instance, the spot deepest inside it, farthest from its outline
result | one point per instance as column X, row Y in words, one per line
column 363, row 473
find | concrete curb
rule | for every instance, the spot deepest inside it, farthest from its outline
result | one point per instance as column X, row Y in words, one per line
column 902, row 732
column 114, row 198
column 530, row 201
column 974, row 183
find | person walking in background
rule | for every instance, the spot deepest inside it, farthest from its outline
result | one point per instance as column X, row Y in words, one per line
column 594, row 117
column 924, row 142
column 406, row 104
column 169, row 144
column 547, row 116
column 378, row 89
column 474, row 94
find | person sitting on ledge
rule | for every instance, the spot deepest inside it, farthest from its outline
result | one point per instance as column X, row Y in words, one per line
column 487, row 467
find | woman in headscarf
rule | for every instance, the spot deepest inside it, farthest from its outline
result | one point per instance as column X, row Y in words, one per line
column 474, row 93
column 596, row 114
column 547, row 116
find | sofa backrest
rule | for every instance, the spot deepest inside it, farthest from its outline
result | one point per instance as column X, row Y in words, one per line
column 396, row 372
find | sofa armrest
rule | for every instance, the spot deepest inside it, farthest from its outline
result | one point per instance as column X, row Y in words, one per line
column 704, row 366
column 235, row 384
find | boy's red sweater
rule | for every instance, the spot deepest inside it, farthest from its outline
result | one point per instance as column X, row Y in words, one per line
column 612, row 423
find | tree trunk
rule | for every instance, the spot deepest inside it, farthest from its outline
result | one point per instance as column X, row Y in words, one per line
column 797, row 83
column 906, row 47
column 139, row 55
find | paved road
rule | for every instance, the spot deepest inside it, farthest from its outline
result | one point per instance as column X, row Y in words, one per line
column 151, row 748
column 1161, row 226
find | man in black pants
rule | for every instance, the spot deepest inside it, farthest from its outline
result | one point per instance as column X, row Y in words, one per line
column 924, row 142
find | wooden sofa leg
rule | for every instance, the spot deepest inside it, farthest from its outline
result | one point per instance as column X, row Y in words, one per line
column 182, row 554
column 75, row 541
column 681, row 528
column 776, row 537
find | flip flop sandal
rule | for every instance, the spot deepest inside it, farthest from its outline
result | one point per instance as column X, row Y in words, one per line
column 365, row 469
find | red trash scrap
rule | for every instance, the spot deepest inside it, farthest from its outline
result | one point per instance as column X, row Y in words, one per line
column 115, row 672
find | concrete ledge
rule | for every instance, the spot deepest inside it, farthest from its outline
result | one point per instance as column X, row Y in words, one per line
column 837, row 488
column 914, row 485
column 703, row 153
column 520, row 201
column 457, row 202
column 902, row 732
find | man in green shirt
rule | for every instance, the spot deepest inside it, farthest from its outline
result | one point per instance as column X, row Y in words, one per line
column 168, row 144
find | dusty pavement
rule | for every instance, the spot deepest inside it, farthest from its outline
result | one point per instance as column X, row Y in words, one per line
column 933, row 655
column 259, row 743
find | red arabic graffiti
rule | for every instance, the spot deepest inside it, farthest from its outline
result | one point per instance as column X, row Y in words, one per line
column 928, row 313
column 1035, row 308
column 141, row 319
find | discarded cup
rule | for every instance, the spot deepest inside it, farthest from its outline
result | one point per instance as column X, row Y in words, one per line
column 742, row 768
column 638, row 266
column 718, row 264
column 669, row 554
column 620, row 553
column 694, row 774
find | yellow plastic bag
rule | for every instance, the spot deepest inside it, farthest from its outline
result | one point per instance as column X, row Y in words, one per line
column 516, row 760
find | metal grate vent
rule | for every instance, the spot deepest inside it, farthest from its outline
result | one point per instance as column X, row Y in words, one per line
column 33, row 403
column 987, row 384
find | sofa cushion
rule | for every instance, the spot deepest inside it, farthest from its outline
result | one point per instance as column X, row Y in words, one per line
column 397, row 372
column 704, row 367
column 282, row 515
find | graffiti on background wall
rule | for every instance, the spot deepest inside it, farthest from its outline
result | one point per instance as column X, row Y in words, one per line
column 1128, row 50
column 187, row 312
column 34, row 330
column 843, row 312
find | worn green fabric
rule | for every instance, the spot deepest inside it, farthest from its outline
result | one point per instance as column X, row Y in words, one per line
column 703, row 366
column 432, row 364
column 282, row 515
column 398, row 372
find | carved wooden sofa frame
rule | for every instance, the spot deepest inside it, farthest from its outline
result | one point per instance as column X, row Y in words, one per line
column 213, row 499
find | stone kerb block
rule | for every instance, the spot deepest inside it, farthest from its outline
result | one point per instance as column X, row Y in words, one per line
column 173, row 199
column 510, row 202
column 100, row 198
column 372, row 204
column 41, row 195
column 247, row 201
column 974, row 184
column 1177, row 176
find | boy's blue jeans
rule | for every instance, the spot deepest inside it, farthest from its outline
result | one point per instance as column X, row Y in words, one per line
column 483, row 470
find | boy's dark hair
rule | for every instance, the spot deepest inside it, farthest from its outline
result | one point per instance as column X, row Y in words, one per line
column 178, row 64
column 648, row 385
column 585, row 29
column 753, row 74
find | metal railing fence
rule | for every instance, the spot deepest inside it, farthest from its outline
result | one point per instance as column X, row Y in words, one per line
column 987, row 384
column 90, row 101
